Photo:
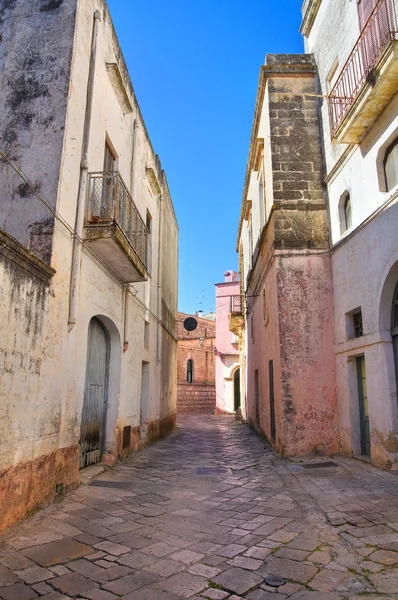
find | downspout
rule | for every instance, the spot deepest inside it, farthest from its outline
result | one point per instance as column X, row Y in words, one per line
column 159, row 284
column 81, row 199
column 126, row 285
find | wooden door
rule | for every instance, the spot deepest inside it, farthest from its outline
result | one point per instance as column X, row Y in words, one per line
column 92, row 438
column 363, row 406
column 257, row 395
column 272, row 399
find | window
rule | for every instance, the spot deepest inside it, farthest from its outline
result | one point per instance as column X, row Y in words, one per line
column 354, row 323
column 265, row 306
column 345, row 212
column 391, row 165
column 189, row 371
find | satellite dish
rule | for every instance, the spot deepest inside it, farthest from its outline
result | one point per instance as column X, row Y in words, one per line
column 190, row 324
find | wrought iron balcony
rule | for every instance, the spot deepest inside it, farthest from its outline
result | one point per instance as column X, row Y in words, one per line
column 114, row 228
column 368, row 79
column 236, row 320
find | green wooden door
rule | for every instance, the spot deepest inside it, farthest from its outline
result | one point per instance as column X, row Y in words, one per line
column 363, row 406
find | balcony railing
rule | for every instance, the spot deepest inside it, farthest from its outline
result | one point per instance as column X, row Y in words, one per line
column 378, row 32
column 236, row 305
column 109, row 204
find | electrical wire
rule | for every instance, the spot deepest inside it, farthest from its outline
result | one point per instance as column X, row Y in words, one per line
column 71, row 230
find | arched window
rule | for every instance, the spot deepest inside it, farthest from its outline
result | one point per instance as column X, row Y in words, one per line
column 345, row 212
column 189, row 371
column 391, row 165
column 394, row 330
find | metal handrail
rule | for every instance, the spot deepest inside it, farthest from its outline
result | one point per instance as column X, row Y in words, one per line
column 109, row 203
column 236, row 305
column 379, row 30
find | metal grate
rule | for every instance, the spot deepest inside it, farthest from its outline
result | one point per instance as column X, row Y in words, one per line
column 358, row 324
column 109, row 203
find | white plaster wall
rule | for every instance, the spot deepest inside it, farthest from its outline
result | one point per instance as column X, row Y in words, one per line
column 50, row 402
column 363, row 256
column 361, row 266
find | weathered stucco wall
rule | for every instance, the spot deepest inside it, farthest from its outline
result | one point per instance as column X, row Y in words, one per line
column 374, row 251
column 30, row 473
column 35, row 63
column 139, row 318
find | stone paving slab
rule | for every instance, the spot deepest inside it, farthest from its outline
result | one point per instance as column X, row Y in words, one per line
column 207, row 513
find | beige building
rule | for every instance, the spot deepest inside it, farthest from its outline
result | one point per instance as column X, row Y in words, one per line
column 89, row 250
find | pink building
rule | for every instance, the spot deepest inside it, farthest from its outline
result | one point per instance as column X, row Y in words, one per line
column 228, row 303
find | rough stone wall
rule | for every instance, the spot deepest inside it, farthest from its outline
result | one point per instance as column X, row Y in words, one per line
column 196, row 397
column 34, row 82
column 296, row 151
column 200, row 395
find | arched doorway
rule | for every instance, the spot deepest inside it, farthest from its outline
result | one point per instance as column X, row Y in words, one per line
column 92, row 438
column 237, row 389
column 394, row 330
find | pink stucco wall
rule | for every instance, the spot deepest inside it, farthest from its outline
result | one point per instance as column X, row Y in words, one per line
column 227, row 356
column 298, row 336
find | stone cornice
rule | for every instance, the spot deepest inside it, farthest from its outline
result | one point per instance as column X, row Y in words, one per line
column 309, row 11
column 13, row 250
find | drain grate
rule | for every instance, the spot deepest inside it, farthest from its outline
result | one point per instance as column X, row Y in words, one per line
column 212, row 470
column 320, row 465
column 110, row 484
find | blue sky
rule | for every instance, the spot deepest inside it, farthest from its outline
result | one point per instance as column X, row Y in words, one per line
column 195, row 67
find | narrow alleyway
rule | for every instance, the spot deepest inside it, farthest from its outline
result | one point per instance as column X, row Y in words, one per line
column 209, row 512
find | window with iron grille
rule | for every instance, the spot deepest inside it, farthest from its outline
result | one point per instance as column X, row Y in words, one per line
column 358, row 324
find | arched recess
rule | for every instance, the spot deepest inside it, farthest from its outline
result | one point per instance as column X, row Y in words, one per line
column 190, row 370
column 387, row 297
column 101, row 390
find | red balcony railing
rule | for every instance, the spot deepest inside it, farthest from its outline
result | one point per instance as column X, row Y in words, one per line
column 379, row 30
column 236, row 305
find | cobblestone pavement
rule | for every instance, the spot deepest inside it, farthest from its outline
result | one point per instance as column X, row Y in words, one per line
column 209, row 512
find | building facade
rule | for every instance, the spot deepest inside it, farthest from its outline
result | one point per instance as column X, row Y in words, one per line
column 356, row 52
column 89, row 250
column 228, row 309
column 196, row 381
column 317, row 238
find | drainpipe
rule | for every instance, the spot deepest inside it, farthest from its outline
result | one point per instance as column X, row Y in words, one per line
column 81, row 199
column 126, row 285
column 159, row 290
